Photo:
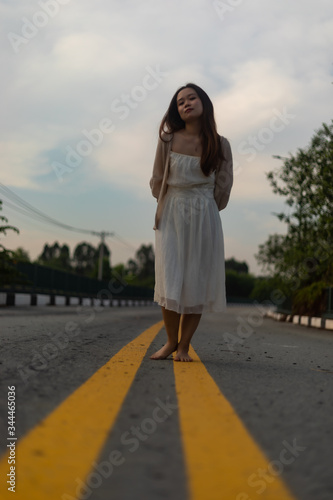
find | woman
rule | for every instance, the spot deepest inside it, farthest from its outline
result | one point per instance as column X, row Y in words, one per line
column 192, row 178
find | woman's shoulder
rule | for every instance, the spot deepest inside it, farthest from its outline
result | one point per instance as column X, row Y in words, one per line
column 164, row 143
column 222, row 139
column 225, row 144
column 166, row 136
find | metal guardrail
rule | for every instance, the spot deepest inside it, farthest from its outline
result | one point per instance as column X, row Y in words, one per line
column 329, row 310
column 42, row 279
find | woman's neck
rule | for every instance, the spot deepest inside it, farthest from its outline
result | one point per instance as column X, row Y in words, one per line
column 193, row 128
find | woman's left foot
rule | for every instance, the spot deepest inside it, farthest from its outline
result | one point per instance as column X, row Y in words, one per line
column 164, row 352
column 182, row 356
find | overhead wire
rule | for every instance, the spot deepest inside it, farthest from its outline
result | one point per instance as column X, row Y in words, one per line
column 29, row 210
column 124, row 242
column 15, row 198
column 18, row 204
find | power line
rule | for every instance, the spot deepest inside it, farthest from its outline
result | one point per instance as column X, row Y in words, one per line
column 25, row 208
column 124, row 242
column 19, row 205
column 29, row 210
column 35, row 216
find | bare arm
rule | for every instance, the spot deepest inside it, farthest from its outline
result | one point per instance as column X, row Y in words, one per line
column 224, row 177
column 158, row 169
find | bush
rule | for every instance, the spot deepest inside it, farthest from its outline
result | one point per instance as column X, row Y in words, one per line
column 310, row 300
column 239, row 284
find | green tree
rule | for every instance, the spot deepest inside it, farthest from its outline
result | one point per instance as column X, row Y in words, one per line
column 141, row 270
column 56, row 256
column 6, row 227
column 84, row 258
column 8, row 273
column 145, row 257
column 238, row 285
column 269, row 290
column 21, row 255
column 119, row 269
column 132, row 268
column 234, row 265
column 303, row 256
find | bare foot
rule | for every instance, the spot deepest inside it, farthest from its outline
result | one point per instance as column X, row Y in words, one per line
column 164, row 352
column 182, row 356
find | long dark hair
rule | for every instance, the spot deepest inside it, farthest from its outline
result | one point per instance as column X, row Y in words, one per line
column 210, row 140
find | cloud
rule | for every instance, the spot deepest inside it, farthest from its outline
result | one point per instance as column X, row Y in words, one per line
column 259, row 59
column 256, row 89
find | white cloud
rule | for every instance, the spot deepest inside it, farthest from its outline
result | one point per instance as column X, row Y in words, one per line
column 256, row 89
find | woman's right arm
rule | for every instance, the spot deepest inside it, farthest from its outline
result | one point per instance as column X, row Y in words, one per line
column 158, row 170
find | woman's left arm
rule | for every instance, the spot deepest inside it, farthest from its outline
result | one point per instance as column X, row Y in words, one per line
column 224, row 176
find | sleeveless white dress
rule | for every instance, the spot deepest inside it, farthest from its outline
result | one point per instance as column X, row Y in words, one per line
column 189, row 246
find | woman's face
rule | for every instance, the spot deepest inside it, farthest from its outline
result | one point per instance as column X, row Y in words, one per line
column 189, row 105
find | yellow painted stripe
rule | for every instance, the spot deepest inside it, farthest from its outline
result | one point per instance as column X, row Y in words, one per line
column 220, row 454
column 63, row 446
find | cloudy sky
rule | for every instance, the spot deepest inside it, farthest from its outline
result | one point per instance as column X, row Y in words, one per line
column 85, row 84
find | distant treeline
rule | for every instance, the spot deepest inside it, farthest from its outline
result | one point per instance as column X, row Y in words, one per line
column 240, row 284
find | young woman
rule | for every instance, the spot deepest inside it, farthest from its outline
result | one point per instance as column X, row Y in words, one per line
column 192, row 179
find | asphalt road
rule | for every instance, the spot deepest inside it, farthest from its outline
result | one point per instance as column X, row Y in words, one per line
column 277, row 377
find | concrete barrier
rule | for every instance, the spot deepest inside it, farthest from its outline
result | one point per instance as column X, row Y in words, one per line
column 74, row 301
column 30, row 299
column 60, row 300
column 43, row 300
column 22, row 299
column 329, row 324
column 316, row 322
column 323, row 323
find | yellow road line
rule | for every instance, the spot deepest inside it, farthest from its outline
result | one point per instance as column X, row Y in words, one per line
column 63, row 446
column 220, row 454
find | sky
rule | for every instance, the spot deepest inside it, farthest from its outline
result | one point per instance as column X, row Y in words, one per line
column 85, row 85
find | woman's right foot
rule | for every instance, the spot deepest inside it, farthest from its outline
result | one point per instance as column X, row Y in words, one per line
column 165, row 351
column 182, row 356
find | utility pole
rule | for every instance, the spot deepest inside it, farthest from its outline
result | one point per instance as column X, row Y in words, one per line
column 102, row 235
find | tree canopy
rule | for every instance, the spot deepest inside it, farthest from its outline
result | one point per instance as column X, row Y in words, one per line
column 303, row 256
column 8, row 273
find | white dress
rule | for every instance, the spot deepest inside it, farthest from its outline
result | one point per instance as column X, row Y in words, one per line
column 189, row 246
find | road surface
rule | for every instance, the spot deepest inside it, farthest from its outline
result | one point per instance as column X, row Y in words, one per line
column 95, row 418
